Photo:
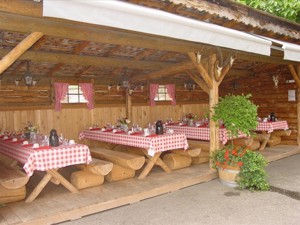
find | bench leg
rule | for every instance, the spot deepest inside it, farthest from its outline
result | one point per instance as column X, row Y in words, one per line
column 155, row 160
column 51, row 174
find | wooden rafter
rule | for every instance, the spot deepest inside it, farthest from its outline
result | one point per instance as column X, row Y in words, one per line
column 87, row 60
column 201, row 69
column 169, row 71
column 198, row 81
column 223, row 71
column 22, row 47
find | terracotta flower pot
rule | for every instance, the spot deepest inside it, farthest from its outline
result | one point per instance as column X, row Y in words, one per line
column 228, row 175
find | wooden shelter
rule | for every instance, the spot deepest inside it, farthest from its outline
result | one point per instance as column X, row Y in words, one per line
column 62, row 50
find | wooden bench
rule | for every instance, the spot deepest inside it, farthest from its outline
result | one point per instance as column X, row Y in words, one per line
column 12, row 184
column 174, row 159
column 124, row 164
column 250, row 142
column 262, row 139
column 180, row 158
column 276, row 135
column 92, row 174
column 204, row 155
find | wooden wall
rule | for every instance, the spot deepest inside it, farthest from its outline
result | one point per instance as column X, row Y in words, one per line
column 70, row 121
column 21, row 104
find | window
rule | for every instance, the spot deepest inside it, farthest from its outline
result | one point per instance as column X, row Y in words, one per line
column 162, row 94
column 74, row 95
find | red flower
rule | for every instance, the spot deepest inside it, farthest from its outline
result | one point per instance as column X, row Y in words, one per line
column 240, row 163
column 226, row 155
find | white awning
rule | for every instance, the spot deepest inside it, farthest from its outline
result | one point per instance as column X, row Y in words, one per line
column 118, row 14
column 291, row 51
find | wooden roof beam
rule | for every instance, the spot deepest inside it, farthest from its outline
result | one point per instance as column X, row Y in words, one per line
column 88, row 60
column 198, row 81
column 169, row 71
column 22, row 47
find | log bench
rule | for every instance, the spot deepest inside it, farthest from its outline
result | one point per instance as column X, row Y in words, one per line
column 204, row 155
column 180, row 158
column 124, row 164
column 262, row 139
column 12, row 184
column 174, row 159
column 92, row 174
column 276, row 135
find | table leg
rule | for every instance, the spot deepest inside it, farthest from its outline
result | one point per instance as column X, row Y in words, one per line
column 63, row 181
column 51, row 174
column 155, row 160
column 37, row 190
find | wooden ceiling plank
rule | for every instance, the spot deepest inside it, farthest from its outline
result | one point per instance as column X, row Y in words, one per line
column 169, row 71
column 144, row 54
column 100, row 34
column 83, row 72
column 88, row 60
column 201, row 69
column 54, row 69
column 81, row 46
column 19, row 66
column 22, row 47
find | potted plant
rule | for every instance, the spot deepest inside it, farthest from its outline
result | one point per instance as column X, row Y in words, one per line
column 243, row 167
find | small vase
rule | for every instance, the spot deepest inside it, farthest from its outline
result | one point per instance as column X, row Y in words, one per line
column 191, row 123
column 32, row 138
column 228, row 175
column 124, row 127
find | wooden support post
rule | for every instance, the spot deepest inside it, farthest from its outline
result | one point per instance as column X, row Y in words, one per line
column 22, row 47
column 213, row 100
column 128, row 105
column 298, row 116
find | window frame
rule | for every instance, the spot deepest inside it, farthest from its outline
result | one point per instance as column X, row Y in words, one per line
column 165, row 93
column 79, row 95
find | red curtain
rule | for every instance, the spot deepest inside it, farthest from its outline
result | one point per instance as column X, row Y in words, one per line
column 60, row 93
column 171, row 92
column 88, row 93
column 153, row 92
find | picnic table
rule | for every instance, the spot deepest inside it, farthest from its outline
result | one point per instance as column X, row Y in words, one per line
column 152, row 146
column 46, row 158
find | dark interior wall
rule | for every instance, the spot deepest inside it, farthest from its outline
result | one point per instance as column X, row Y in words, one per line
column 267, row 96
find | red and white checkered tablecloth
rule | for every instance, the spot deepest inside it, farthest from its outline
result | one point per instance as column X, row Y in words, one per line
column 200, row 133
column 153, row 144
column 271, row 126
column 42, row 160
